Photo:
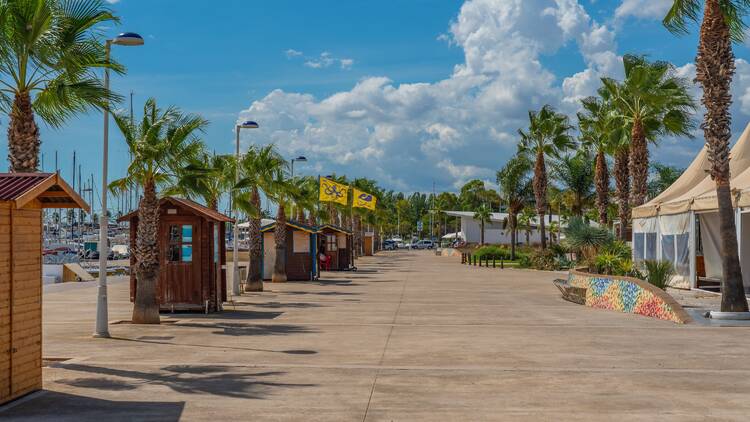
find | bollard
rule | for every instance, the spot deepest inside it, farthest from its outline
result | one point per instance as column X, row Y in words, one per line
column 463, row 257
column 475, row 260
column 493, row 263
column 502, row 263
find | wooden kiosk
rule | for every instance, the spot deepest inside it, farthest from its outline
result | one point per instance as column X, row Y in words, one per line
column 301, row 251
column 192, row 256
column 337, row 243
column 23, row 196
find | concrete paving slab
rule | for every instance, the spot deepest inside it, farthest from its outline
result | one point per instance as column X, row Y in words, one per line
column 409, row 337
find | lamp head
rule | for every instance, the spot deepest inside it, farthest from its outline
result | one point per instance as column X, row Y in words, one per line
column 128, row 39
column 249, row 125
column 301, row 158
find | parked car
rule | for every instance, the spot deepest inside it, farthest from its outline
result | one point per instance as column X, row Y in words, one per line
column 424, row 244
column 389, row 245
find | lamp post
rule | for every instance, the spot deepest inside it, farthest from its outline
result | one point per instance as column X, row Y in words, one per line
column 301, row 159
column 235, row 227
column 102, row 323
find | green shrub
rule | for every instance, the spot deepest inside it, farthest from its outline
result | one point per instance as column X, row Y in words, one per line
column 544, row 259
column 609, row 264
column 524, row 260
column 492, row 252
column 586, row 239
column 658, row 273
column 619, row 249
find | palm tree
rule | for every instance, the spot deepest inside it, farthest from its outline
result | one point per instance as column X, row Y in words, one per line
column 651, row 102
column 257, row 167
column 525, row 221
column 516, row 192
column 721, row 25
column 482, row 214
column 284, row 192
column 597, row 126
column 161, row 144
column 664, row 176
column 49, row 51
column 546, row 137
column 576, row 173
column 207, row 176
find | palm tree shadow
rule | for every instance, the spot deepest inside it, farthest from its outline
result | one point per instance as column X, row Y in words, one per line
column 53, row 405
column 215, row 380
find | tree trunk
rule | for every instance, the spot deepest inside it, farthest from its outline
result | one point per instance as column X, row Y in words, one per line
column 23, row 136
column 357, row 228
column 714, row 71
column 638, row 164
column 602, row 187
column 481, row 235
column 540, row 193
column 311, row 219
column 300, row 215
column 279, row 235
column 213, row 203
column 512, row 220
column 254, row 281
column 622, row 185
column 146, row 306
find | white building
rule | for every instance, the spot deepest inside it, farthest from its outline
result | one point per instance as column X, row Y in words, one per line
column 496, row 230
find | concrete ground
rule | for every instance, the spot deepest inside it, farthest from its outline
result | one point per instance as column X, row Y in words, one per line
column 409, row 337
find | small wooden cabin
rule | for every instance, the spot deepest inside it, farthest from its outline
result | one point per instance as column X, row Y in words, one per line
column 23, row 196
column 368, row 244
column 301, row 251
column 337, row 243
column 192, row 256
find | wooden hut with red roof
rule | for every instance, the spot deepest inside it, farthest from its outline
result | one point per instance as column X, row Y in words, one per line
column 23, row 196
column 192, row 256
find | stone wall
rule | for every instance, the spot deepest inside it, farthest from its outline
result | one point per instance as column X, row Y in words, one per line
column 627, row 294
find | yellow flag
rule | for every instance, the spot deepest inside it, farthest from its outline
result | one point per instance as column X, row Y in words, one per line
column 331, row 191
column 364, row 199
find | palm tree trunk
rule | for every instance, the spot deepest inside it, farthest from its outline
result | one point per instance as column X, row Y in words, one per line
column 254, row 281
column 300, row 215
column 622, row 185
column 279, row 234
column 213, row 203
column 23, row 136
column 311, row 219
column 357, row 228
column 638, row 164
column 481, row 236
column 512, row 221
column 714, row 71
column 540, row 193
column 146, row 306
column 602, row 187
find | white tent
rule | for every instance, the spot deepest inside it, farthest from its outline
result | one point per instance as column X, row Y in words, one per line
column 681, row 224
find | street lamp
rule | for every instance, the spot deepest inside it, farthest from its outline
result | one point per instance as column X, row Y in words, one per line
column 301, row 159
column 249, row 124
column 102, row 323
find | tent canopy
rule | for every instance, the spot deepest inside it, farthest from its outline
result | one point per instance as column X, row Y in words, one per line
column 694, row 190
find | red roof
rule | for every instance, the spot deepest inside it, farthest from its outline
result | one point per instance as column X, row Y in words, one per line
column 192, row 205
column 13, row 185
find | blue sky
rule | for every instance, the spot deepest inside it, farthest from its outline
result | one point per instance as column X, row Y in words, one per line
column 405, row 92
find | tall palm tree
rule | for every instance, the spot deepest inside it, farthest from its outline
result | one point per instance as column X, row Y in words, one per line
column 49, row 50
column 516, row 192
column 207, row 176
column 547, row 136
column 722, row 24
column 576, row 173
column 161, row 144
column 652, row 102
column 257, row 166
column 284, row 192
column 525, row 222
column 664, row 176
column 597, row 125
column 482, row 214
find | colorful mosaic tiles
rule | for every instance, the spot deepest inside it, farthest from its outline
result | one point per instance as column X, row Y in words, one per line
column 629, row 295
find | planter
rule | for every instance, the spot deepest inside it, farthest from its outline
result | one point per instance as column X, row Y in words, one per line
column 628, row 295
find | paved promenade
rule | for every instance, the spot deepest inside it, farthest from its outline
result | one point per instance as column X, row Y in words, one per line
column 410, row 337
